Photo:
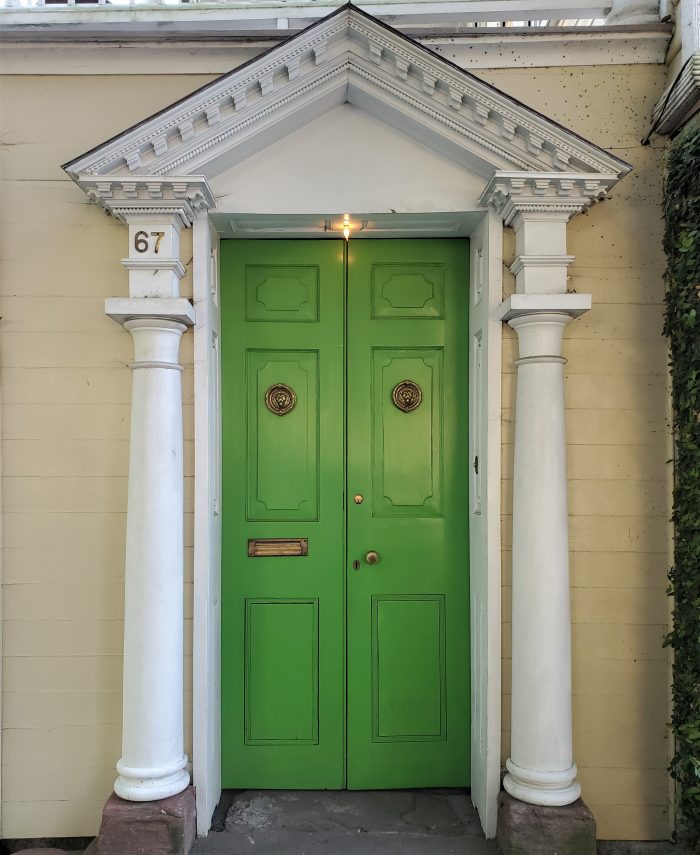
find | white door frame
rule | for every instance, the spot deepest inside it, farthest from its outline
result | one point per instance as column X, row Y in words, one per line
column 484, row 476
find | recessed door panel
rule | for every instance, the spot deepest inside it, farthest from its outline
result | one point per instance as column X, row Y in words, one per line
column 282, row 293
column 400, row 489
column 408, row 651
column 407, row 290
column 282, row 450
column 281, row 661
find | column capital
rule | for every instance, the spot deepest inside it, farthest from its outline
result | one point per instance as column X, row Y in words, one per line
column 544, row 195
column 523, row 305
column 178, row 310
column 154, row 197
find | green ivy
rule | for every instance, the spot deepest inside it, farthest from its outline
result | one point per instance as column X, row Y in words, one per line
column 682, row 326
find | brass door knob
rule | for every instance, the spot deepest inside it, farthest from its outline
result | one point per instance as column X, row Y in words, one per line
column 371, row 557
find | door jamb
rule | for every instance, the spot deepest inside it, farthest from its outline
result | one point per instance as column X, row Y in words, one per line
column 485, row 332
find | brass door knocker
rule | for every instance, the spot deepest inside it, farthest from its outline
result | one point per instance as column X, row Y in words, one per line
column 280, row 399
column 406, row 395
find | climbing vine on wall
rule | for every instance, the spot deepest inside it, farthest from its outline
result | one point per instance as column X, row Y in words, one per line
column 682, row 326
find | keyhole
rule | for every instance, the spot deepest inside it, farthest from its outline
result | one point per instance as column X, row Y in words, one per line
column 355, row 565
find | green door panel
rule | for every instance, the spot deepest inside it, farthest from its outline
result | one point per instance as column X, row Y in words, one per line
column 310, row 700
column 283, row 627
column 408, row 614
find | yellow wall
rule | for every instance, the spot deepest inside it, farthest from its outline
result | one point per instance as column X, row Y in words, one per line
column 65, row 389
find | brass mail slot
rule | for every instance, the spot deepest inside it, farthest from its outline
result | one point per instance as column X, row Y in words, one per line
column 265, row 547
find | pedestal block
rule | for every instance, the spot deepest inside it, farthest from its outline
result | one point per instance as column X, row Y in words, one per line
column 163, row 827
column 526, row 829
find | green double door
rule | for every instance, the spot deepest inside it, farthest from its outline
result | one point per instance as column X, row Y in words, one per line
column 345, row 586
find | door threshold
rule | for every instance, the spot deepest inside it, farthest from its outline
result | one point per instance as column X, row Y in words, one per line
column 346, row 822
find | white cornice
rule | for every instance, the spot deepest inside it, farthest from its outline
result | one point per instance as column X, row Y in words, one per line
column 680, row 101
column 190, row 52
column 244, row 18
column 550, row 194
column 348, row 56
column 151, row 195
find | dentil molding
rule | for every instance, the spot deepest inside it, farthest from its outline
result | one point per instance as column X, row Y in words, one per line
column 150, row 195
column 560, row 195
column 346, row 57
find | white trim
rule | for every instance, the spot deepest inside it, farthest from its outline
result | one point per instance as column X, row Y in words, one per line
column 485, row 554
column 121, row 309
column 681, row 99
column 521, row 304
column 633, row 12
column 250, row 18
column 347, row 57
column 495, row 47
column 206, row 700
column 485, row 518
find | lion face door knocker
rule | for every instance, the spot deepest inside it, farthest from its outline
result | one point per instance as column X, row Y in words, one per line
column 280, row 399
column 406, row 396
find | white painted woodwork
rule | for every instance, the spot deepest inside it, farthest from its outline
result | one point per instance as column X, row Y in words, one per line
column 207, row 541
column 183, row 162
column 153, row 763
column 350, row 156
column 90, row 21
column 162, row 241
column 486, row 247
column 681, row 99
column 540, row 768
column 633, row 12
column 487, row 48
column 410, row 89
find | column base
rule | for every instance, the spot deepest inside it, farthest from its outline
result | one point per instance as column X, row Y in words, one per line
column 538, row 787
column 525, row 829
column 163, row 827
column 149, row 785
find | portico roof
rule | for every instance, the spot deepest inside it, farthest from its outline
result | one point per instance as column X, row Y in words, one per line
column 347, row 57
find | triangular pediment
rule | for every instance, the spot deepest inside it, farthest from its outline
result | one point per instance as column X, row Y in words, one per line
column 348, row 57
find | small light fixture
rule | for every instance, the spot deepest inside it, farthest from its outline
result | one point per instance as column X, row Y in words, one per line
column 346, row 226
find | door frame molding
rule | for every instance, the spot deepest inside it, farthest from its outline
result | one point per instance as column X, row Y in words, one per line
column 484, row 331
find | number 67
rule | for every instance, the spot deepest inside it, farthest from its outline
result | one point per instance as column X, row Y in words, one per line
column 141, row 241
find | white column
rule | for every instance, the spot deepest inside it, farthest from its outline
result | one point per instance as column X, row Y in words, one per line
column 540, row 768
column 153, row 764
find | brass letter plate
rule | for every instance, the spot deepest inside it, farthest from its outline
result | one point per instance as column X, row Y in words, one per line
column 266, row 547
